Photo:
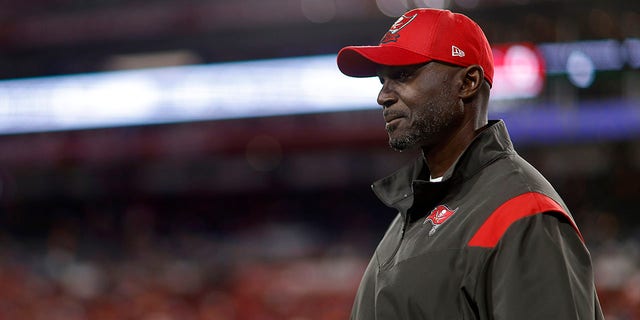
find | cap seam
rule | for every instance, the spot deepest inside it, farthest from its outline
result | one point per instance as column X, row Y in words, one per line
column 434, row 33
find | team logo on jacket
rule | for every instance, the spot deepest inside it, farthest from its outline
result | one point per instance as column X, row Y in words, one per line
column 392, row 35
column 438, row 216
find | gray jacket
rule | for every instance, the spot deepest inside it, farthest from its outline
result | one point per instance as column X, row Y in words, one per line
column 492, row 241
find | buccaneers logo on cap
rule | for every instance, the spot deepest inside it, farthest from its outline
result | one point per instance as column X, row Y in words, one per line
column 392, row 35
column 438, row 216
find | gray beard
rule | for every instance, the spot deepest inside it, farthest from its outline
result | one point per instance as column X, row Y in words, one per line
column 406, row 142
column 424, row 128
column 427, row 126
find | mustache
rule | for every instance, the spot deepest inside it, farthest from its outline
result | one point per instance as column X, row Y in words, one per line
column 392, row 114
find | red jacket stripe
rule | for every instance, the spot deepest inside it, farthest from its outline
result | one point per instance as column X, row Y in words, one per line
column 516, row 208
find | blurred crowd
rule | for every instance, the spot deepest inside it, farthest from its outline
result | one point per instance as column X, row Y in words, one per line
column 197, row 281
column 281, row 253
column 274, row 271
column 188, row 278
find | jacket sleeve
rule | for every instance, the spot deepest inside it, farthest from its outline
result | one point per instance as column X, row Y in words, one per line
column 540, row 269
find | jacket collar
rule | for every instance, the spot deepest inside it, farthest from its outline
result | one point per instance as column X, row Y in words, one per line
column 491, row 144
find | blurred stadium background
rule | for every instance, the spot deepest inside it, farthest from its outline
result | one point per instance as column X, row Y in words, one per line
column 203, row 159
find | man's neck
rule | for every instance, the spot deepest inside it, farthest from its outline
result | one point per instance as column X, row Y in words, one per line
column 441, row 156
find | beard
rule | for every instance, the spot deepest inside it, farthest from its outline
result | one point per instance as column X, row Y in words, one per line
column 405, row 142
column 429, row 125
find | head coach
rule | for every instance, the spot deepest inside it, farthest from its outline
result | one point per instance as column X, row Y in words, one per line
column 480, row 233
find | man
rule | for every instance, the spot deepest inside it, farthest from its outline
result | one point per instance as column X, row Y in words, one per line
column 480, row 234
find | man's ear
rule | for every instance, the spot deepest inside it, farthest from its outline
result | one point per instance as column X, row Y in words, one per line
column 472, row 81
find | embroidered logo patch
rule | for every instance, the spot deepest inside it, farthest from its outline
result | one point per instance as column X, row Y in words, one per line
column 392, row 35
column 456, row 52
column 438, row 216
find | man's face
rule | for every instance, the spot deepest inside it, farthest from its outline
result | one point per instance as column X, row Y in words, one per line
column 420, row 106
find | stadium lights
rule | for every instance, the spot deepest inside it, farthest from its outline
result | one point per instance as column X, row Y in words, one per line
column 262, row 88
column 177, row 94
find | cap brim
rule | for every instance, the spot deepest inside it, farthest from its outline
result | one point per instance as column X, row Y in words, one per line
column 364, row 61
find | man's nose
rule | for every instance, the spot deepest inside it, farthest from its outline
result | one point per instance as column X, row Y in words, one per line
column 387, row 96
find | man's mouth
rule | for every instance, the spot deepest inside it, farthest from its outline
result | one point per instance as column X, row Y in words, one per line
column 392, row 123
column 390, row 117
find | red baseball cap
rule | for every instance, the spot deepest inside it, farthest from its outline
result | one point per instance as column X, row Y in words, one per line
column 419, row 36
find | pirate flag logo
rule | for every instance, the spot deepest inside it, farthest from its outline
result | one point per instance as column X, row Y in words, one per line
column 438, row 216
column 392, row 35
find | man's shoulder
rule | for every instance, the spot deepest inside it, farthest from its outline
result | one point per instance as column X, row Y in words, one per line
column 509, row 177
column 513, row 172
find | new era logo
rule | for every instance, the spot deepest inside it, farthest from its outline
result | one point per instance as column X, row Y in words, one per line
column 456, row 52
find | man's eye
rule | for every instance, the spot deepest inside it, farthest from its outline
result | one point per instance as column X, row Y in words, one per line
column 397, row 75
column 403, row 75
